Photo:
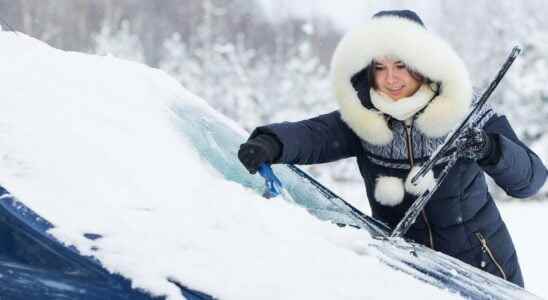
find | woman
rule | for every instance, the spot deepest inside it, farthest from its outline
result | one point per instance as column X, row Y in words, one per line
column 401, row 90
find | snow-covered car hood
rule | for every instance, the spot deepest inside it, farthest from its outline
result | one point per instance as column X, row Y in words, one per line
column 114, row 148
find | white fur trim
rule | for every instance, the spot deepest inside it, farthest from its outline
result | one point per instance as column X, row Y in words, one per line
column 418, row 48
column 441, row 116
column 389, row 190
column 427, row 182
column 368, row 124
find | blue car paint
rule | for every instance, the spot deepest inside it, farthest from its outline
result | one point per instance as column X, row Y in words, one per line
column 34, row 265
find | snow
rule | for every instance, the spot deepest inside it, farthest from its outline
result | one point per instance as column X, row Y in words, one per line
column 541, row 149
column 89, row 143
column 527, row 225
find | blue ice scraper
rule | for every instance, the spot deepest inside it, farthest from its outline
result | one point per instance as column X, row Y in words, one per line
column 273, row 185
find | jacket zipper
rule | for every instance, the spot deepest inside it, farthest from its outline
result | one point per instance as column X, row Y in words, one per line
column 485, row 248
column 409, row 144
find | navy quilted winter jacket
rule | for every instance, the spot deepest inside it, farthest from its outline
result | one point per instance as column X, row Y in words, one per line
column 461, row 219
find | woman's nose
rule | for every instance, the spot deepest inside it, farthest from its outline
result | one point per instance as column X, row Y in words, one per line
column 391, row 77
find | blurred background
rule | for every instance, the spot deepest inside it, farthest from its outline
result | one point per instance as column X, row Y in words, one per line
column 261, row 61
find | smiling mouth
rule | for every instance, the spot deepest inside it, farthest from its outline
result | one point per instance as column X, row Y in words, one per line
column 396, row 90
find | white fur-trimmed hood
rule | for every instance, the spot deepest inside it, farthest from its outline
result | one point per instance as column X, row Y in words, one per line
column 418, row 48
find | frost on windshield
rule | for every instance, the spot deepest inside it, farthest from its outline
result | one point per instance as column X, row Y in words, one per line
column 218, row 144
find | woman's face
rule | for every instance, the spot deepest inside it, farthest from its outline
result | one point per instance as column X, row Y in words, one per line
column 394, row 79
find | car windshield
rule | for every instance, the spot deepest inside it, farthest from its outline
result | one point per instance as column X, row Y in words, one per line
column 218, row 144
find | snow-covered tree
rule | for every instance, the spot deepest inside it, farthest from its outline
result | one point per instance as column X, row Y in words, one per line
column 119, row 42
column 245, row 85
column 525, row 100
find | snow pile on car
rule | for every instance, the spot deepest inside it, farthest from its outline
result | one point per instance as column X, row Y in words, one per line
column 88, row 142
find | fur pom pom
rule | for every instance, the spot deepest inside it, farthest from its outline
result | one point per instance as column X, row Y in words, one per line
column 389, row 191
column 425, row 183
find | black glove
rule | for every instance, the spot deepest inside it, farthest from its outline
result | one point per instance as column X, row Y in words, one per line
column 477, row 145
column 263, row 148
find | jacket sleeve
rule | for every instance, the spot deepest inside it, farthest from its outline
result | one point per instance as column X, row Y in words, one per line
column 324, row 138
column 518, row 170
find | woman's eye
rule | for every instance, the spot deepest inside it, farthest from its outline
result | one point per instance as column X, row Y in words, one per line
column 401, row 66
column 379, row 68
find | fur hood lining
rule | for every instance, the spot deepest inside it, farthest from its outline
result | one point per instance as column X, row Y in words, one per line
column 420, row 50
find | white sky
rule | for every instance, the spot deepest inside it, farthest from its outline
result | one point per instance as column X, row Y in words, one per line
column 345, row 13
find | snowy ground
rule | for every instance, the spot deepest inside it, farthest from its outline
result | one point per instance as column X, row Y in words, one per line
column 527, row 221
column 527, row 224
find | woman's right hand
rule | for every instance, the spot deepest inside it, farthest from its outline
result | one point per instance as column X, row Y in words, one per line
column 263, row 148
